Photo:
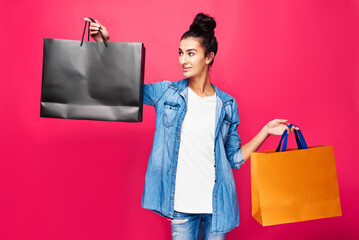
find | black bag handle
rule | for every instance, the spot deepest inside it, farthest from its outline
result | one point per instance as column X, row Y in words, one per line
column 88, row 33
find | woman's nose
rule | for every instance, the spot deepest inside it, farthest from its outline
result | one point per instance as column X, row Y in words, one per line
column 182, row 60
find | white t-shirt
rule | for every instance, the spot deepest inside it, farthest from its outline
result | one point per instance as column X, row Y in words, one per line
column 195, row 169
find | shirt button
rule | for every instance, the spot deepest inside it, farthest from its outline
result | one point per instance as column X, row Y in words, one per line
column 215, row 211
column 215, row 195
column 214, row 165
column 215, row 180
column 214, row 150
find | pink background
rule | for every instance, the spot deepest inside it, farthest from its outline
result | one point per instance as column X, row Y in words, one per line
column 78, row 179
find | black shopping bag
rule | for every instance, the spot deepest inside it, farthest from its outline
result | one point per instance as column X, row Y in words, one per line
column 92, row 80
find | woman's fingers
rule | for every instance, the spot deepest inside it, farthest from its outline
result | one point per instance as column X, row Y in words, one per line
column 282, row 120
column 289, row 129
column 292, row 128
column 99, row 24
column 94, row 26
column 285, row 121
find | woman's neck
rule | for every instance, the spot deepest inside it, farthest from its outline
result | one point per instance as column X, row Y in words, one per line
column 201, row 85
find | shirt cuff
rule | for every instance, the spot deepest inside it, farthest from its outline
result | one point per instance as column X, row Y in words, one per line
column 238, row 159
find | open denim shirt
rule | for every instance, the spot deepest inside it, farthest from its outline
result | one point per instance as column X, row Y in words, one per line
column 170, row 102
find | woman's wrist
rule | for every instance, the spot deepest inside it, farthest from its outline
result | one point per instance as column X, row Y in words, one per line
column 265, row 130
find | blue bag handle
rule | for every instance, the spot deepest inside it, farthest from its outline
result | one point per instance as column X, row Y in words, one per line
column 300, row 140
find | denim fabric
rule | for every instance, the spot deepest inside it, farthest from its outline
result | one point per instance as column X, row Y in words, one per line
column 170, row 102
column 187, row 226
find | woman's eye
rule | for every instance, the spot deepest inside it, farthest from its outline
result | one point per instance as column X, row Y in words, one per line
column 191, row 53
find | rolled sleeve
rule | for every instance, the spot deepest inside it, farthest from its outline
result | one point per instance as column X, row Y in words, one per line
column 238, row 160
column 233, row 142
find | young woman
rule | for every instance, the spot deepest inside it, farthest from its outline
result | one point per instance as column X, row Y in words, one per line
column 189, row 177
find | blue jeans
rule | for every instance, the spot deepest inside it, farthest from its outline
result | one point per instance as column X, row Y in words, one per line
column 187, row 226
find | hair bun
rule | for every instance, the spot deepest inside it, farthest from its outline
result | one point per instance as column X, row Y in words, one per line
column 203, row 22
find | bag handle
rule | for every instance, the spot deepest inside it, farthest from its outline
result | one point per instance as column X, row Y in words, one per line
column 88, row 34
column 298, row 138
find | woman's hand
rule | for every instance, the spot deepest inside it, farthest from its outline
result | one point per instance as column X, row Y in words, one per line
column 278, row 126
column 95, row 28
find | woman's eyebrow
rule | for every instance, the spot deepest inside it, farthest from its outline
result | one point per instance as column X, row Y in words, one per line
column 192, row 49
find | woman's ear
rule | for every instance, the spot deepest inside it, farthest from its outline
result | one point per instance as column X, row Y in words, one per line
column 209, row 57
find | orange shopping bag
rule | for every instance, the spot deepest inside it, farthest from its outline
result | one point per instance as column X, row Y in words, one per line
column 294, row 185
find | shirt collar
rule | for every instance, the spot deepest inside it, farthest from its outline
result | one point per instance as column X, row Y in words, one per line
column 182, row 84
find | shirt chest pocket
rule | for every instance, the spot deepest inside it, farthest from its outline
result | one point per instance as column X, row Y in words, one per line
column 170, row 112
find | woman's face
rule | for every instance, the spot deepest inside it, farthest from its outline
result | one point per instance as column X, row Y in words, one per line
column 191, row 57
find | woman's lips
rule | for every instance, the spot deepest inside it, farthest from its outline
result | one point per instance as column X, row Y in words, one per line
column 186, row 69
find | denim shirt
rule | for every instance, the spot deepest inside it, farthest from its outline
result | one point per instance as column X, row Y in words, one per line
column 170, row 102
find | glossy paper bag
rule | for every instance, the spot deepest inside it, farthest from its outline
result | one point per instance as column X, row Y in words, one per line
column 93, row 80
column 294, row 185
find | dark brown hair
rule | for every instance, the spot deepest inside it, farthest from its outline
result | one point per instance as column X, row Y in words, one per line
column 203, row 27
